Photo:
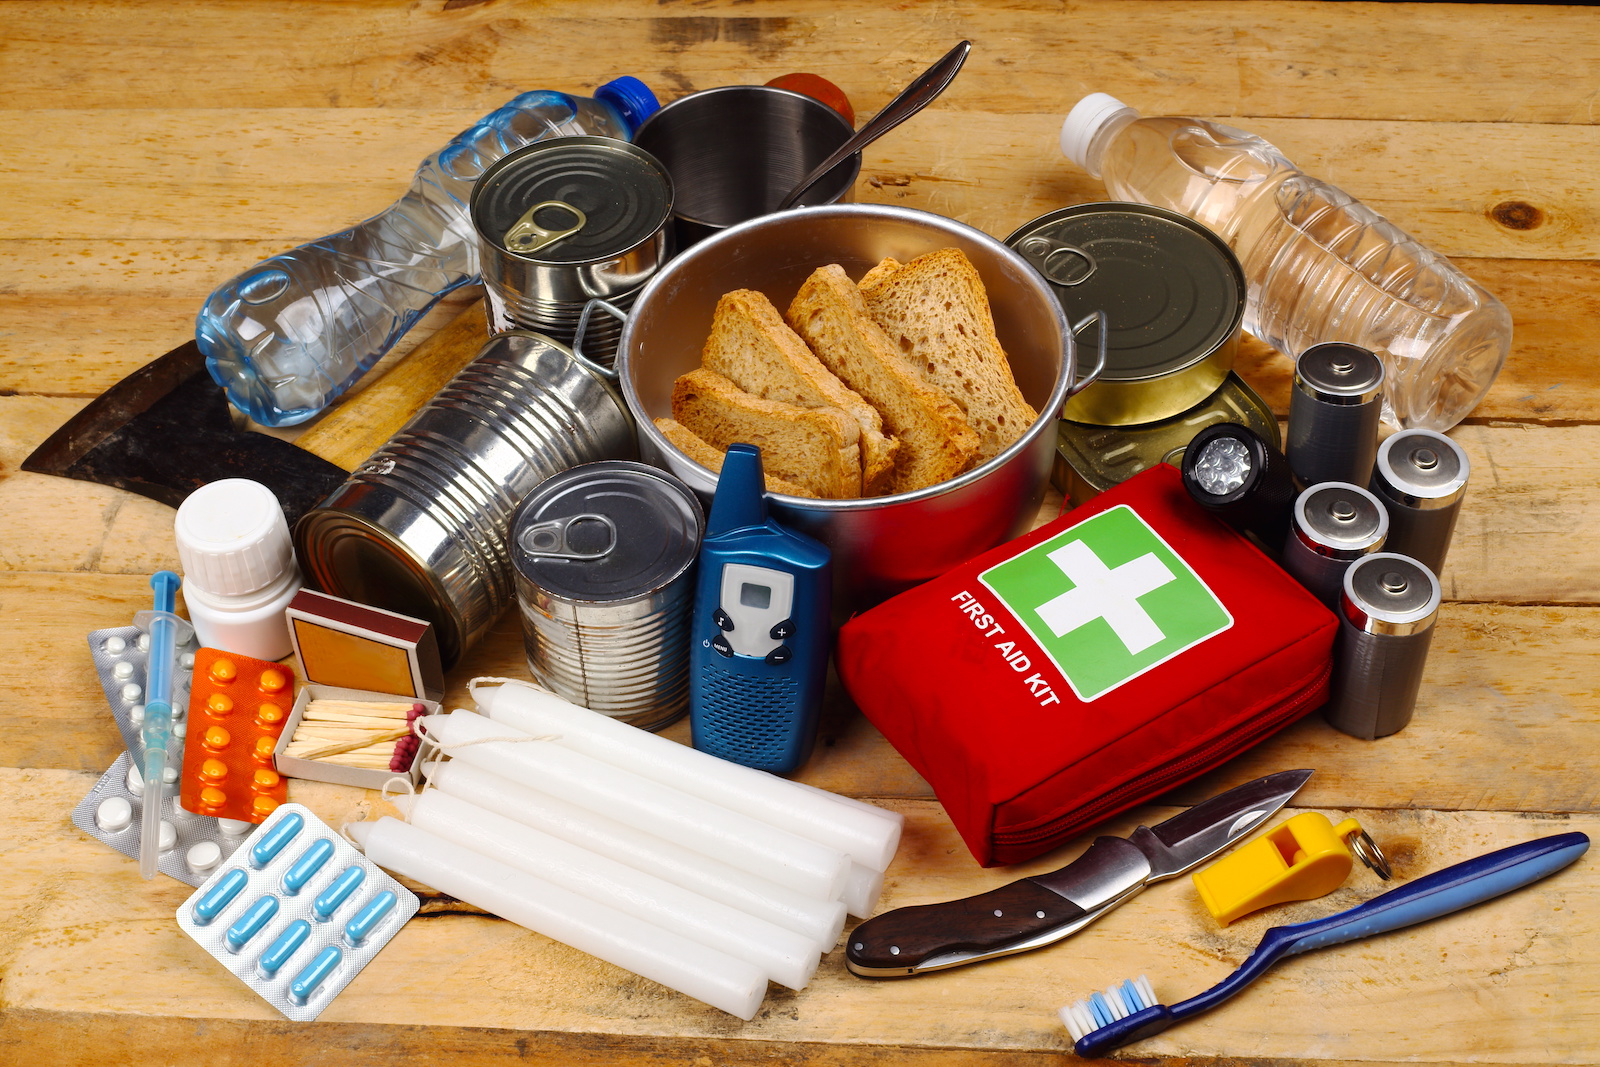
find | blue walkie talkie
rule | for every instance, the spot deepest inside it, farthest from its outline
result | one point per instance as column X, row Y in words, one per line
column 762, row 615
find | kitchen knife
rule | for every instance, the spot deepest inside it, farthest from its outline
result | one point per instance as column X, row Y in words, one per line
column 1041, row 910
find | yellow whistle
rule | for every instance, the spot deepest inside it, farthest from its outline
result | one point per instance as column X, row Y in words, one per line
column 1305, row 858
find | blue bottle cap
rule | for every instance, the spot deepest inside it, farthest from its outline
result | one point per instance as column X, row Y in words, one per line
column 630, row 96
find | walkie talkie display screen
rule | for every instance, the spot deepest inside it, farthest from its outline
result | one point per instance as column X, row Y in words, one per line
column 755, row 596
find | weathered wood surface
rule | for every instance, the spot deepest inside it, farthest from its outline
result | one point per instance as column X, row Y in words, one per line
column 152, row 151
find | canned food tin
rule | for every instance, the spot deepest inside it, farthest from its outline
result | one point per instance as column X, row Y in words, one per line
column 567, row 220
column 1091, row 459
column 1335, row 524
column 1421, row 476
column 422, row 527
column 1173, row 293
column 604, row 556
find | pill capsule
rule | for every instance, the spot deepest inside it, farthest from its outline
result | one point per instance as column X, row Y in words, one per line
column 219, row 896
column 216, row 739
column 203, row 857
column 131, row 692
column 273, row 681
column 114, row 814
column 269, row 716
column 169, row 773
column 294, row 935
column 338, row 892
column 235, row 827
column 261, row 807
column 180, row 730
column 223, row 670
column 214, row 771
column 267, row 847
column 212, row 799
column 306, row 982
column 306, row 867
column 122, row 671
column 114, row 645
column 264, row 779
column 168, row 836
column 219, row 704
column 263, row 749
column 250, row 923
column 360, row 927
column 186, row 661
column 143, row 644
column 136, row 716
column 135, row 780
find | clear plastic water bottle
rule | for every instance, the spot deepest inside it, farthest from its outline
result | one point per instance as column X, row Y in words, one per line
column 1321, row 265
column 292, row 333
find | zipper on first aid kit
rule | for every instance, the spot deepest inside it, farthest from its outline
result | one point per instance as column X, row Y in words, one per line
column 1171, row 773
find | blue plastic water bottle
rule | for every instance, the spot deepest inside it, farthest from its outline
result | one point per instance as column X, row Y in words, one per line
column 291, row 334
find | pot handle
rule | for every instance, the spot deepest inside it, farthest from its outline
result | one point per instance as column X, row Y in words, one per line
column 1100, row 360
column 583, row 327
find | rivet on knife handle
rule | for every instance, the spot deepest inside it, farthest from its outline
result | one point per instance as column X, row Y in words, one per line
column 896, row 942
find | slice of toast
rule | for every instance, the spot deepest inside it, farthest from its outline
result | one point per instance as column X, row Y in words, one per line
column 936, row 442
column 710, row 458
column 754, row 348
column 936, row 311
column 814, row 447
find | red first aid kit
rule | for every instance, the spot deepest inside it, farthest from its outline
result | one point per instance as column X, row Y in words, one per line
column 1088, row 666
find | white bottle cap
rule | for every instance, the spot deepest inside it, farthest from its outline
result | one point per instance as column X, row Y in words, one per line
column 1087, row 118
column 233, row 538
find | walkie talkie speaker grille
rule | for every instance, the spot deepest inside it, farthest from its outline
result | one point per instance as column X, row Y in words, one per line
column 752, row 721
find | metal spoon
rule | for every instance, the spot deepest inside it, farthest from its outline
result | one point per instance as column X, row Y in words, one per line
column 916, row 96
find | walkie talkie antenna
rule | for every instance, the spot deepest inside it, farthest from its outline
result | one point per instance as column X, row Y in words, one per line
column 740, row 499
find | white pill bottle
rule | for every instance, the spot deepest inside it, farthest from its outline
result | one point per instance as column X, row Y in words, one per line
column 239, row 571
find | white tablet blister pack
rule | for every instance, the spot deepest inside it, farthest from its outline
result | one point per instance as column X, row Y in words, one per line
column 122, row 660
column 192, row 846
column 297, row 913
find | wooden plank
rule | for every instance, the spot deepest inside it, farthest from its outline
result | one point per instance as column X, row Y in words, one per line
column 1234, row 59
column 1482, row 977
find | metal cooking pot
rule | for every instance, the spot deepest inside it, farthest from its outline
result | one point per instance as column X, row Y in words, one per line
column 880, row 545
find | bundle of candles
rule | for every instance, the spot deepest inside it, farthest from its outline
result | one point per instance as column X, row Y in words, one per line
column 369, row 734
column 706, row 876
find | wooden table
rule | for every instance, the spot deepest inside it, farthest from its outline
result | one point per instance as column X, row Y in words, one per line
column 151, row 151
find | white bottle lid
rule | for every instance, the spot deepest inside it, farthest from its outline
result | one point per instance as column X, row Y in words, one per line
column 233, row 538
column 1087, row 118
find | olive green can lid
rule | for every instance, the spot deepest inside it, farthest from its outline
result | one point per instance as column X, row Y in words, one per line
column 1173, row 294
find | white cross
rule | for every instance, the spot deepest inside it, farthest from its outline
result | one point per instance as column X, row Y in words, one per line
column 1110, row 593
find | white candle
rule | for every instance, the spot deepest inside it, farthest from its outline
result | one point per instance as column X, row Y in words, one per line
column 868, row 837
column 862, row 891
column 645, row 949
column 733, row 837
column 812, row 917
column 783, row 955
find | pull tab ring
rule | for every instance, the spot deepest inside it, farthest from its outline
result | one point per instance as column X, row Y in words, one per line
column 526, row 235
column 551, row 539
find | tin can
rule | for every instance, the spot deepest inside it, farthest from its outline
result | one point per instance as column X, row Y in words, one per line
column 604, row 558
column 1242, row 478
column 423, row 526
column 1334, row 410
column 1386, row 616
column 1091, row 459
column 1173, row 294
column 1335, row 524
column 1421, row 477
column 564, row 221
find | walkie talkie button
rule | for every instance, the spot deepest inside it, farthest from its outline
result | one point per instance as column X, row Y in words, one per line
column 782, row 631
column 781, row 654
column 720, row 617
column 720, row 644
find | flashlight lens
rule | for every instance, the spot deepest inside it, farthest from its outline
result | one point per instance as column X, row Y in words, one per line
column 1223, row 466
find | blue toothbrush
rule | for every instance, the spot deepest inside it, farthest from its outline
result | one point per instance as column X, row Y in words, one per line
column 1128, row 1012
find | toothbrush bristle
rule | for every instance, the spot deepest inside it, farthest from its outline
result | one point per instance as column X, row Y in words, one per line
column 1104, row 1008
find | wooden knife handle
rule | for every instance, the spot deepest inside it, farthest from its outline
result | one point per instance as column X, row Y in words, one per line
column 897, row 941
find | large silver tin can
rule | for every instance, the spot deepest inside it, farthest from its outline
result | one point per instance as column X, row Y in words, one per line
column 604, row 557
column 422, row 527
column 565, row 221
column 1386, row 617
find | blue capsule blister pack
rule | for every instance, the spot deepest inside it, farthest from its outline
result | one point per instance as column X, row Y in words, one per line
column 297, row 912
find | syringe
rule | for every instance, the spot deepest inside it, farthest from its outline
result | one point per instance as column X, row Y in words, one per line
column 166, row 630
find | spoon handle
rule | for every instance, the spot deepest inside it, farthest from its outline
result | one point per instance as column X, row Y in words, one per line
column 912, row 99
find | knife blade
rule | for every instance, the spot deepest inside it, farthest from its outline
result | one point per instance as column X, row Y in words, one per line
column 1043, row 909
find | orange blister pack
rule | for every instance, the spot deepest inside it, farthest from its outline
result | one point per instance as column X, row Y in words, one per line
column 237, row 710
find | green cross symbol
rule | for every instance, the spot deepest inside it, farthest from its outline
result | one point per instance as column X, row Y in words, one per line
column 1107, row 600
